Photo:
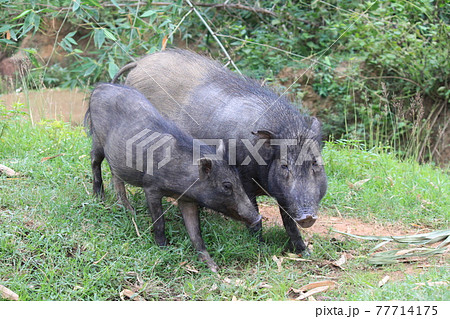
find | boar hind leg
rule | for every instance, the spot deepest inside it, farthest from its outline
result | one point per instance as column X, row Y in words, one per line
column 156, row 212
column 121, row 192
column 97, row 156
column 296, row 240
column 192, row 222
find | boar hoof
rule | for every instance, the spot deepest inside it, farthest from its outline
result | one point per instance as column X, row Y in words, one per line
column 212, row 266
column 206, row 258
column 161, row 242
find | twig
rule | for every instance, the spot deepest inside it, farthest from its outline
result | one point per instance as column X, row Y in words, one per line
column 51, row 157
column 213, row 35
column 96, row 262
column 135, row 227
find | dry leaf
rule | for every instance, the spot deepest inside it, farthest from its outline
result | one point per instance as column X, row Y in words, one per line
column 234, row 298
column 263, row 285
column 8, row 294
column 51, row 157
column 190, row 269
column 311, row 292
column 324, row 283
column 295, row 257
column 357, row 185
column 7, row 171
column 129, row 294
column 227, row 280
column 278, row 261
column 213, row 287
column 383, row 281
column 164, row 43
column 238, row 282
column 338, row 263
column 311, row 289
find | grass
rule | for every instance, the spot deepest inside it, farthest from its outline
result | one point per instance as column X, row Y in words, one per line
column 59, row 243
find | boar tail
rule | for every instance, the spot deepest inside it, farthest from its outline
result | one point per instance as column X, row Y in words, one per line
column 122, row 70
column 87, row 122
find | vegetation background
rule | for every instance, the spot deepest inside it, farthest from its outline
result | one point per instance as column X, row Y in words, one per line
column 376, row 73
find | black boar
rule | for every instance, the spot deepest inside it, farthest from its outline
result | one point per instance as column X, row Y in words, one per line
column 277, row 150
column 146, row 150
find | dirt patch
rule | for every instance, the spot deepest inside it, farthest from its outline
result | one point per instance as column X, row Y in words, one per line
column 271, row 216
column 51, row 104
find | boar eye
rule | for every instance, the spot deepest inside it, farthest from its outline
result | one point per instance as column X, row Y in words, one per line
column 284, row 166
column 227, row 186
column 315, row 165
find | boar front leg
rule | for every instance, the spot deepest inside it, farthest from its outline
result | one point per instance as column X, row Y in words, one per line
column 191, row 218
column 156, row 212
column 296, row 241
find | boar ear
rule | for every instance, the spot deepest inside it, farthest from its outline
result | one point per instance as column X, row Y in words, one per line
column 221, row 150
column 266, row 135
column 204, row 167
column 315, row 124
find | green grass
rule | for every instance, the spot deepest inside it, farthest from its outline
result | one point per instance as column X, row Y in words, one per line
column 395, row 191
column 59, row 243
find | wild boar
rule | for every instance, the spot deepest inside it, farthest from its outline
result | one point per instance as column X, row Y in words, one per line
column 146, row 150
column 276, row 149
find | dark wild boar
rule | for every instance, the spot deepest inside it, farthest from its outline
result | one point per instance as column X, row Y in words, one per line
column 146, row 150
column 277, row 150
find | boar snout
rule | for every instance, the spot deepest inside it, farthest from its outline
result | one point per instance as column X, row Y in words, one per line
column 307, row 218
column 255, row 222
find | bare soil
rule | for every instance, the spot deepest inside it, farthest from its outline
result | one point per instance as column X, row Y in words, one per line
column 325, row 223
column 51, row 104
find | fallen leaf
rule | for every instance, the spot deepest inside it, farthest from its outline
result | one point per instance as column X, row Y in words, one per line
column 213, row 287
column 238, row 282
column 357, row 185
column 311, row 292
column 7, row 171
column 383, row 281
column 278, row 261
column 190, row 269
column 234, row 298
column 227, row 280
column 338, row 263
column 324, row 283
column 51, row 157
column 263, row 285
column 294, row 257
column 130, row 294
column 8, row 294
column 311, row 289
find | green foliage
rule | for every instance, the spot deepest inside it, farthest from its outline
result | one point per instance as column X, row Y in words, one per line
column 368, row 58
